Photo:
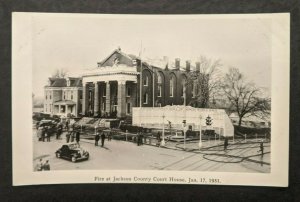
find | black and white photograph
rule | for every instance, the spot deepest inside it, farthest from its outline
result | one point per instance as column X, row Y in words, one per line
column 183, row 99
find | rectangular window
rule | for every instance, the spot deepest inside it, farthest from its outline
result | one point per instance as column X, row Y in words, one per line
column 80, row 94
column 64, row 95
column 128, row 108
column 71, row 95
column 145, row 98
column 104, row 91
column 128, row 94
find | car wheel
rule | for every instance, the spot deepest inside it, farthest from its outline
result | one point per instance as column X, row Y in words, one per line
column 73, row 159
column 58, row 155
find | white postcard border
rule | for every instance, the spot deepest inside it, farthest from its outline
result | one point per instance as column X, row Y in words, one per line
column 22, row 112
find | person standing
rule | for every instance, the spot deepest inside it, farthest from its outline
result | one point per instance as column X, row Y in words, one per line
column 138, row 139
column 102, row 139
column 261, row 146
column 68, row 136
column 46, row 166
column 67, row 125
column 47, row 134
column 97, row 137
column 43, row 133
column 225, row 144
column 141, row 138
column 72, row 136
column 77, row 136
column 109, row 136
column 58, row 133
column 39, row 165
column 158, row 139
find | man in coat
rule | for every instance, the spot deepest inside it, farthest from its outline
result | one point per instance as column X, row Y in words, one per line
column 102, row 139
column 97, row 137
column 225, row 144
column 77, row 136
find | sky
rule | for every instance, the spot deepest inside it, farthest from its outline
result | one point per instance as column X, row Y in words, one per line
column 76, row 42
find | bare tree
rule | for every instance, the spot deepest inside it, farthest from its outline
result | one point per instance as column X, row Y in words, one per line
column 245, row 98
column 60, row 73
column 206, row 81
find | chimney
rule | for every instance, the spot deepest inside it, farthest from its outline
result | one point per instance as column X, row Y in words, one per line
column 197, row 66
column 188, row 66
column 177, row 63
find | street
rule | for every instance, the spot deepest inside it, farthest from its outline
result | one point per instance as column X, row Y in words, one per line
column 122, row 155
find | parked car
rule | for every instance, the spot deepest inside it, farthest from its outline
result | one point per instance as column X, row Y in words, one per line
column 73, row 152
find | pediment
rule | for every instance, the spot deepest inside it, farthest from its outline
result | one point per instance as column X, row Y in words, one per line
column 117, row 57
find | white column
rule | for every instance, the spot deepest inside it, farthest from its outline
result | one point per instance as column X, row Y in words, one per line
column 96, row 99
column 84, row 99
column 107, row 101
column 121, row 99
column 66, row 110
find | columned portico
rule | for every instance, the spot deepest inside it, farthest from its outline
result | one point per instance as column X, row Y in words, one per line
column 121, row 110
column 109, row 90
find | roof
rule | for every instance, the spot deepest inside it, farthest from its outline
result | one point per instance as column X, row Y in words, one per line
column 130, row 56
column 58, row 82
column 77, row 82
column 62, row 82
column 65, row 102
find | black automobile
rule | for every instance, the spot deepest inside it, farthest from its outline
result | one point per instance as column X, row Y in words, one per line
column 73, row 152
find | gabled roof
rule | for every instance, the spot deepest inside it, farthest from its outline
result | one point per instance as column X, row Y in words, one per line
column 118, row 51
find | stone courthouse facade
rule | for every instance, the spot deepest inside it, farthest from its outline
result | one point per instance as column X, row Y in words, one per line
column 123, row 81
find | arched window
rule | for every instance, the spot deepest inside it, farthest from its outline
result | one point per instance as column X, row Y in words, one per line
column 159, row 84
column 172, row 86
column 193, row 89
column 183, row 86
column 159, row 79
column 145, row 81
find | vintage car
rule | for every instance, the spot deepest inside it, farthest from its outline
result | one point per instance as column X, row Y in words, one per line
column 73, row 152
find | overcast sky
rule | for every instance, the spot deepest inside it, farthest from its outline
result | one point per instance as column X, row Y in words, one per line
column 77, row 42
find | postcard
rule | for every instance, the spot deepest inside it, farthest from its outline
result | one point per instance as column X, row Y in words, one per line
column 159, row 99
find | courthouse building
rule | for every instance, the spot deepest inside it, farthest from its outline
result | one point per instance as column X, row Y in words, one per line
column 123, row 81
